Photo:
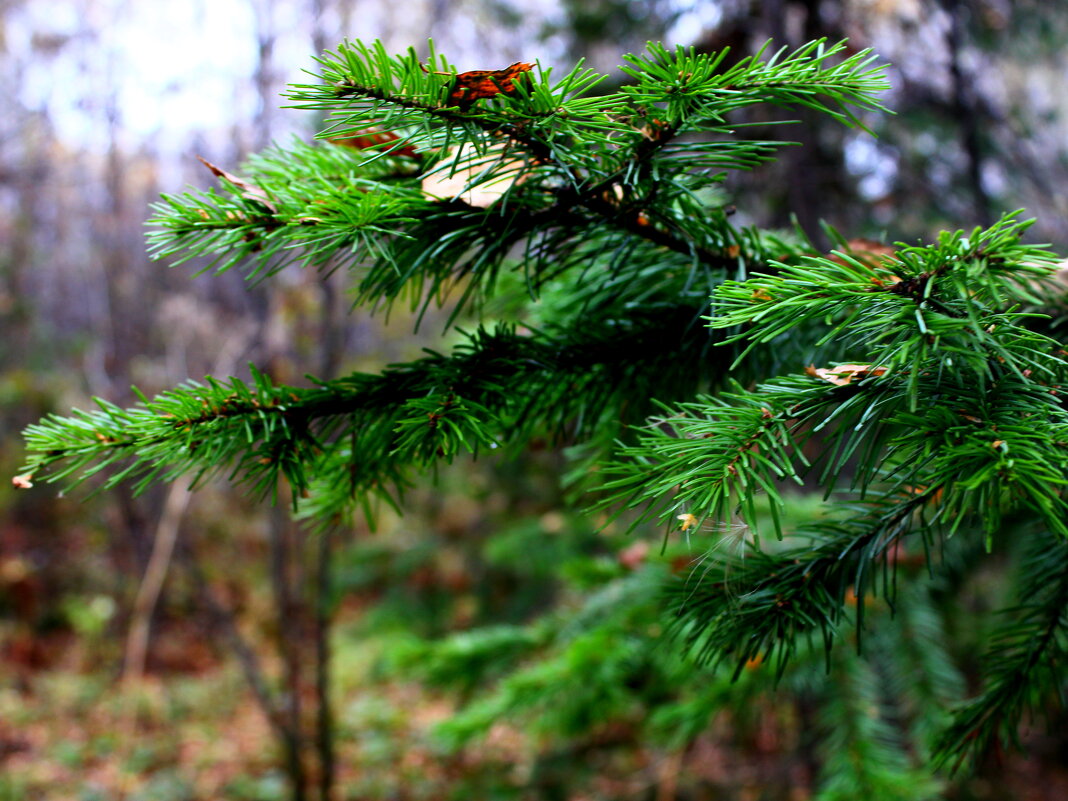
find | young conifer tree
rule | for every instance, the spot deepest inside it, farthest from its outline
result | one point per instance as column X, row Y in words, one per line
column 702, row 365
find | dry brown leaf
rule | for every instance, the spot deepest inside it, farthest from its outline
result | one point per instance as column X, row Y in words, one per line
column 844, row 373
column 248, row 191
column 378, row 140
column 871, row 254
column 866, row 251
column 759, row 294
column 475, row 85
column 445, row 186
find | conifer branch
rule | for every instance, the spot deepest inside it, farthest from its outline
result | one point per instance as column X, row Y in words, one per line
column 758, row 607
column 864, row 754
column 492, row 387
column 927, row 376
column 1023, row 665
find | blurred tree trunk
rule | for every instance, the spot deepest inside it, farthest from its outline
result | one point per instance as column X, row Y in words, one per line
column 331, row 342
column 810, row 169
column 263, row 76
column 965, row 111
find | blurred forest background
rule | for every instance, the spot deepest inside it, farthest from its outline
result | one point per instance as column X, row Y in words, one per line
column 175, row 646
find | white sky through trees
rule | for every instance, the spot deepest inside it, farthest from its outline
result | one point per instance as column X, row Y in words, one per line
column 167, row 69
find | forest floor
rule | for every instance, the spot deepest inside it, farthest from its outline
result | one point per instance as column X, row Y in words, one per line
column 68, row 734
column 195, row 732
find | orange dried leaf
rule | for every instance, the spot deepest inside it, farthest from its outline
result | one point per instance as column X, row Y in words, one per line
column 482, row 84
column 760, row 295
column 475, row 85
column 887, row 281
column 688, row 521
column 936, row 496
